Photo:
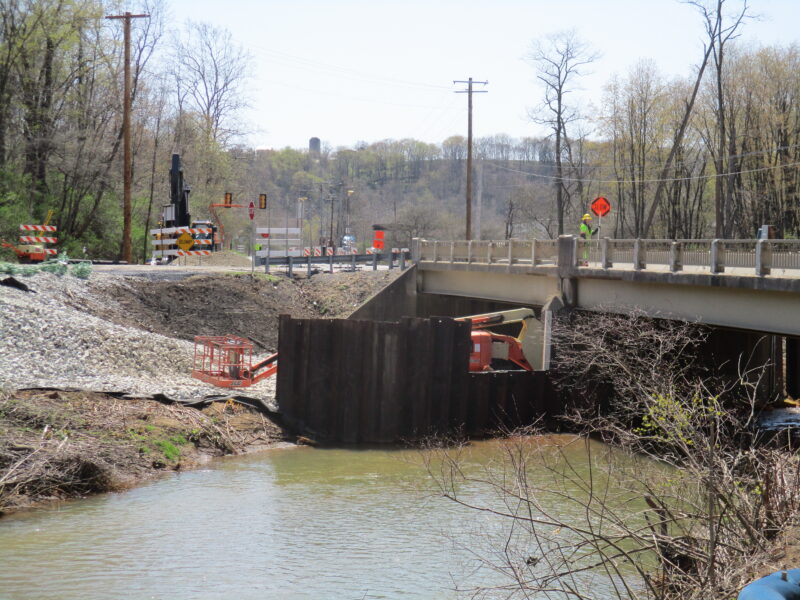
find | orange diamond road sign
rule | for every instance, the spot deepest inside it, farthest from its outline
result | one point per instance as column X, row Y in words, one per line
column 601, row 207
column 185, row 241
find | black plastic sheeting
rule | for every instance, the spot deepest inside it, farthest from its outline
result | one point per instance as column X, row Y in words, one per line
column 15, row 283
column 256, row 403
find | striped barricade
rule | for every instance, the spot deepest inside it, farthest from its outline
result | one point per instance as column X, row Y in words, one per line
column 32, row 239
column 37, row 239
column 317, row 251
column 180, row 230
column 38, row 228
column 174, row 241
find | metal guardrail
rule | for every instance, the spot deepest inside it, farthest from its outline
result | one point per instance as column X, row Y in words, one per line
column 756, row 257
column 393, row 260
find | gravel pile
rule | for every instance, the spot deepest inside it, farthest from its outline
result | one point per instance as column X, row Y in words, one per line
column 47, row 339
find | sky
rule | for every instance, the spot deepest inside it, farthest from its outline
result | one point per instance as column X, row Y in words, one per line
column 350, row 71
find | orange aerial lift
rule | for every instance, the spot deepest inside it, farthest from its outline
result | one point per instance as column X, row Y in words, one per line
column 227, row 361
column 32, row 248
column 488, row 345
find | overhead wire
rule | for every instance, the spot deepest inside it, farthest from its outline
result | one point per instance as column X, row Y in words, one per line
column 640, row 181
column 312, row 65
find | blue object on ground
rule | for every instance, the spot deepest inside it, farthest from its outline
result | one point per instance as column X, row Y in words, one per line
column 783, row 585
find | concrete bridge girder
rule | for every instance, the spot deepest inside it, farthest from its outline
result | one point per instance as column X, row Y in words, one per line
column 741, row 307
column 528, row 289
column 763, row 311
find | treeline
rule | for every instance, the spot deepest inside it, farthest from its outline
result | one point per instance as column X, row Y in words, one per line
column 715, row 154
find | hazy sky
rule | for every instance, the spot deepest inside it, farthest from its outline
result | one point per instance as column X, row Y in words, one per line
column 359, row 70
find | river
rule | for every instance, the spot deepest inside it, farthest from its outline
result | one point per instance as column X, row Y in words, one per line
column 287, row 523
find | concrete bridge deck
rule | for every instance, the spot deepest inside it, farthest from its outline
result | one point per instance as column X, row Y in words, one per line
column 744, row 284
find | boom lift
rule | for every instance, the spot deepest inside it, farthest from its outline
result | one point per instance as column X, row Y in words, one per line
column 488, row 345
column 31, row 248
column 227, row 361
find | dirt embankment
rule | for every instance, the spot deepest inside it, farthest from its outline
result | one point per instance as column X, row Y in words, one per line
column 59, row 444
column 132, row 335
column 236, row 304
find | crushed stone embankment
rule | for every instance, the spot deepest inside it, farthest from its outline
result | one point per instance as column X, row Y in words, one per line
column 103, row 347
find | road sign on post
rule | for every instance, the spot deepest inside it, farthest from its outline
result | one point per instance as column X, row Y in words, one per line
column 251, row 210
column 185, row 241
column 600, row 206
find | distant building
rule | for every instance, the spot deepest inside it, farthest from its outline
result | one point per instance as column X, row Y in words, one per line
column 314, row 146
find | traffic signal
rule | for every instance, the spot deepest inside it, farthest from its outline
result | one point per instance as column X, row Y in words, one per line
column 228, row 198
column 262, row 201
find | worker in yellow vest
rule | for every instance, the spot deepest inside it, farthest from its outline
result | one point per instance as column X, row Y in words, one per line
column 586, row 232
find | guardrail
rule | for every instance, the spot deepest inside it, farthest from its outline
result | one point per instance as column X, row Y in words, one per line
column 392, row 260
column 756, row 257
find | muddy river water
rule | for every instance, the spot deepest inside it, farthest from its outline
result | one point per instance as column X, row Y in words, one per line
column 288, row 523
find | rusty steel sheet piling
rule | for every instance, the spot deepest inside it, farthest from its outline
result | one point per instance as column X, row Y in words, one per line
column 365, row 382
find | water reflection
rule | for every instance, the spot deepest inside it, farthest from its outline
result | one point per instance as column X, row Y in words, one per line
column 293, row 523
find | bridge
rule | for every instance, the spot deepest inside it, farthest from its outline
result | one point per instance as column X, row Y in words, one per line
column 396, row 369
column 744, row 284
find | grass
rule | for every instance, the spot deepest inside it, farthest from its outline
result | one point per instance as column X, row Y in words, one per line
column 150, row 438
column 168, row 449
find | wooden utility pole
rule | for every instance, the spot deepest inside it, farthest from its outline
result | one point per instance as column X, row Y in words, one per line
column 127, row 170
column 469, row 91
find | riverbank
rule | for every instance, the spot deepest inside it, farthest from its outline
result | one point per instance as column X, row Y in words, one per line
column 56, row 445
column 81, row 362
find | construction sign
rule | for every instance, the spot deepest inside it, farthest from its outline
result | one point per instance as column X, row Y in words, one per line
column 600, row 206
column 185, row 241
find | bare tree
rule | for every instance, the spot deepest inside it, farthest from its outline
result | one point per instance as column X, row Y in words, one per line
column 558, row 60
column 721, row 29
column 677, row 504
column 211, row 72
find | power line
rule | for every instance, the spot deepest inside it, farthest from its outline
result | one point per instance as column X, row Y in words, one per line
column 667, row 180
column 312, row 65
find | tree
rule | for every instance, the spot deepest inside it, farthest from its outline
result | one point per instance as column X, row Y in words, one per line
column 558, row 60
column 211, row 72
column 679, row 507
column 720, row 31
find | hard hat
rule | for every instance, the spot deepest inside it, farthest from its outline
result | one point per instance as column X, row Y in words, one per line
column 586, row 217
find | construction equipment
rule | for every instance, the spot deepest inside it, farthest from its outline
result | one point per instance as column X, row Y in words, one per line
column 227, row 361
column 32, row 248
column 488, row 346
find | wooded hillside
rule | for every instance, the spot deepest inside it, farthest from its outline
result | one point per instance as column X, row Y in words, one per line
column 714, row 154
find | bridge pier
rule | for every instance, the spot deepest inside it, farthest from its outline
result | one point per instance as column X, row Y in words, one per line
column 568, row 284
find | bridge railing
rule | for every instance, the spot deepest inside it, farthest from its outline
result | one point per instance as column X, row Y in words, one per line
column 488, row 252
column 714, row 256
column 759, row 257
column 785, row 254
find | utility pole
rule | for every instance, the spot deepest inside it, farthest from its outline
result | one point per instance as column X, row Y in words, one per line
column 469, row 91
column 127, row 170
